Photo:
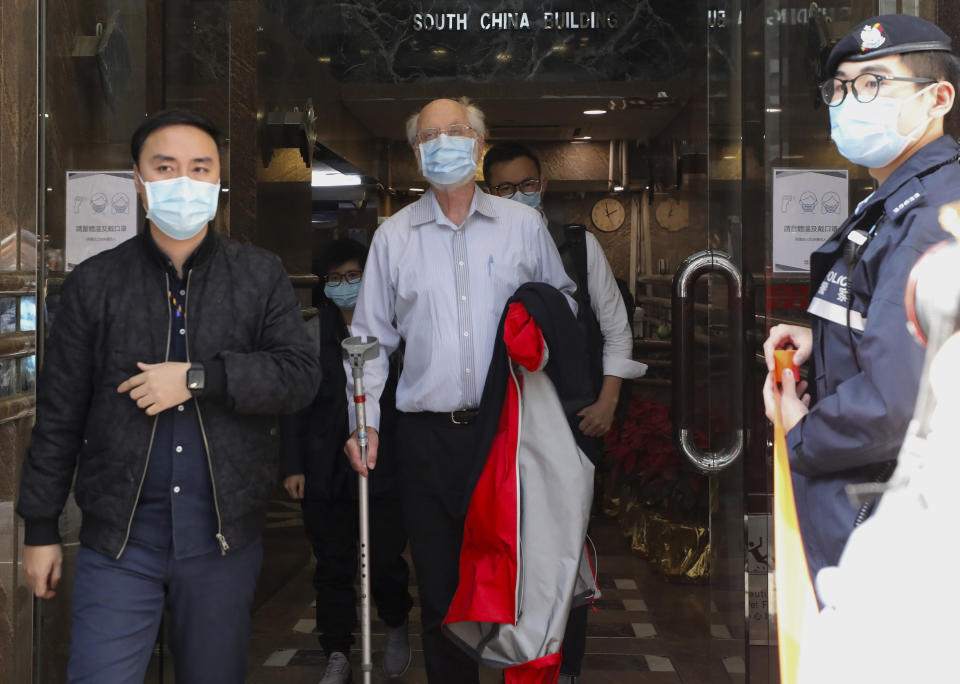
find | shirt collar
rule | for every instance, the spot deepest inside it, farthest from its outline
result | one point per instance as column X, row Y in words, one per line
column 199, row 255
column 427, row 209
column 936, row 152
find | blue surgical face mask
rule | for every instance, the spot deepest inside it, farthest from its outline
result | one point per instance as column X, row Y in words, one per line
column 532, row 199
column 343, row 295
column 181, row 207
column 448, row 160
column 867, row 134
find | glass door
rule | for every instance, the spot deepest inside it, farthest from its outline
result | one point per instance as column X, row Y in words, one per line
column 634, row 110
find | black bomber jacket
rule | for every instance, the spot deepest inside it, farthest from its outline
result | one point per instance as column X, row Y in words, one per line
column 243, row 323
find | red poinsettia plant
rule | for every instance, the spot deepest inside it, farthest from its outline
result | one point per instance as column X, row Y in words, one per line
column 640, row 449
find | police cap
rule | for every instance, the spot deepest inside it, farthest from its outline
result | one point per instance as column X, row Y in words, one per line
column 888, row 34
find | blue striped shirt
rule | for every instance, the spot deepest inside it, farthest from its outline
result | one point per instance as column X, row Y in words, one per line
column 442, row 288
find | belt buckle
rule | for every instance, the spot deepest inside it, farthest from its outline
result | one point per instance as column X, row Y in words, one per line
column 464, row 414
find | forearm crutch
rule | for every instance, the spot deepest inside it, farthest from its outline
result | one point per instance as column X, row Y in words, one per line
column 356, row 351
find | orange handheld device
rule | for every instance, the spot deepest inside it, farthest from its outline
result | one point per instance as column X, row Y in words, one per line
column 782, row 360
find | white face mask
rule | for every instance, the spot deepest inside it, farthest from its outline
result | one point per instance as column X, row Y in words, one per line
column 449, row 161
column 866, row 133
column 182, row 206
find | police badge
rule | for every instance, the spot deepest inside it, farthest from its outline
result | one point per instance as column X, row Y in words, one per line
column 872, row 37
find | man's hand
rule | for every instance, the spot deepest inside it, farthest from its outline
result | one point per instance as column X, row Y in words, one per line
column 352, row 450
column 42, row 566
column 781, row 336
column 794, row 404
column 295, row 484
column 597, row 417
column 158, row 387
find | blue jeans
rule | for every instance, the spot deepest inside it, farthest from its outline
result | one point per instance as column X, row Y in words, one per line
column 118, row 605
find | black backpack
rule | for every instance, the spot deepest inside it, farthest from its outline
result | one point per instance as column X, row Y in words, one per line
column 571, row 242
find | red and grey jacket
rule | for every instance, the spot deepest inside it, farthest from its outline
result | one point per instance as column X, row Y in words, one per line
column 523, row 563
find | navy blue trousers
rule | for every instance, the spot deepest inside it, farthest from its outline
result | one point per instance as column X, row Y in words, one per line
column 118, row 605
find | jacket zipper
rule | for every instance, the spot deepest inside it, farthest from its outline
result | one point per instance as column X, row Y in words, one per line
column 518, row 588
column 224, row 546
column 153, row 430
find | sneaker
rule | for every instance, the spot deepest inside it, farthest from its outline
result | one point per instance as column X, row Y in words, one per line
column 397, row 654
column 338, row 670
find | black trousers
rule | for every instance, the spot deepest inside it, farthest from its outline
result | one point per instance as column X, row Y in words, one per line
column 434, row 459
column 575, row 641
column 333, row 526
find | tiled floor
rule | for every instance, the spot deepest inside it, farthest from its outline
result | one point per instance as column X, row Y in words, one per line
column 645, row 630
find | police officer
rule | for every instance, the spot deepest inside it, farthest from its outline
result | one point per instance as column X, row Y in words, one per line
column 892, row 81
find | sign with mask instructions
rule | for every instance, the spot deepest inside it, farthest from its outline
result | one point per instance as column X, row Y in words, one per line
column 101, row 213
column 808, row 207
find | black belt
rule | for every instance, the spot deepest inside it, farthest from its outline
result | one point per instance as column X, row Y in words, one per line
column 461, row 417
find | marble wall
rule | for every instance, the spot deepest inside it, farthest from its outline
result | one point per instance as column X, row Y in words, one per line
column 385, row 41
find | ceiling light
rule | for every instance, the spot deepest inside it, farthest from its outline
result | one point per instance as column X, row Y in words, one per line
column 594, row 112
column 618, row 188
column 324, row 59
column 334, row 179
column 773, row 110
column 503, row 56
column 584, row 137
column 416, row 190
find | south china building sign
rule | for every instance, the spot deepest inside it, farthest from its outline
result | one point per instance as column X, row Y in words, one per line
column 513, row 21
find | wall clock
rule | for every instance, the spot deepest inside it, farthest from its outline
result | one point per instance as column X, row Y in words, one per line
column 608, row 214
column 673, row 214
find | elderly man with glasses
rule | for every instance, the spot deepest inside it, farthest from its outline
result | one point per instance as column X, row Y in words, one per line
column 892, row 82
column 438, row 276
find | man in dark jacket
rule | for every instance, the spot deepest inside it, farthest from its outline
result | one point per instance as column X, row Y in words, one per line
column 170, row 357
column 316, row 473
column 892, row 80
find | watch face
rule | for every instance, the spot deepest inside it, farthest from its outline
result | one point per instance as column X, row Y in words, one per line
column 608, row 214
column 195, row 379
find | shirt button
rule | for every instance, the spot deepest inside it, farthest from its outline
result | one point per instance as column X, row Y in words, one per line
column 461, row 263
column 463, row 297
column 180, row 408
column 466, row 370
column 179, row 449
column 182, row 331
column 176, row 489
column 466, row 334
column 183, row 292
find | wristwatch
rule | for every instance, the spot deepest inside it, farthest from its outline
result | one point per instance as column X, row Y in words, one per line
column 196, row 379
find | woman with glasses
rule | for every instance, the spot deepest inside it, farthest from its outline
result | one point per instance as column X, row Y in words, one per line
column 317, row 474
column 892, row 83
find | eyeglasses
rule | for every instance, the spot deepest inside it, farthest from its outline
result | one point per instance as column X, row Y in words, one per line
column 865, row 87
column 453, row 130
column 527, row 187
column 351, row 277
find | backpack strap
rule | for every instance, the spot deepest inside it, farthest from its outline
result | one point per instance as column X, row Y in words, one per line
column 577, row 239
column 571, row 242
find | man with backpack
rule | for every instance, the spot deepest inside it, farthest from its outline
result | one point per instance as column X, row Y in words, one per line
column 511, row 170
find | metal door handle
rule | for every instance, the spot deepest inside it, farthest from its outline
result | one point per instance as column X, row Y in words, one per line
column 684, row 281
